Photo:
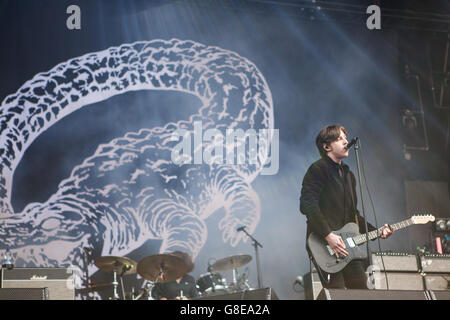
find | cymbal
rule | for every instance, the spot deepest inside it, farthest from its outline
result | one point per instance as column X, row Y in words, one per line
column 232, row 262
column 171, row 266
column 112, row 263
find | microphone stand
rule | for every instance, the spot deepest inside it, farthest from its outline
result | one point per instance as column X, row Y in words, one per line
column 87, row 258
column 369, row 256
column 258, row 266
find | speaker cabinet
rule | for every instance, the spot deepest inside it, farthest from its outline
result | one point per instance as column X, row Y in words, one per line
column 395, row 262
column 440, row 295
column 439, row 263
column 359, row 294
column 24, row 294
column 437, row 281
column 59, row 281
column 258, row 294
column 398, row 281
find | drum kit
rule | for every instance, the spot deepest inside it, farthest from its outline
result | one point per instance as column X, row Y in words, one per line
column 161, row 268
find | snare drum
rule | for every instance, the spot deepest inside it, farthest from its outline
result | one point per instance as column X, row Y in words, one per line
column 212, row 284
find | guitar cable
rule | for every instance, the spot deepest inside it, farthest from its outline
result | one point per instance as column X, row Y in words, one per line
column 374, row 214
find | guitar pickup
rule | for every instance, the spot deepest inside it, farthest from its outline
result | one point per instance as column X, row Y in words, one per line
column 330, row 251
column 350, row 242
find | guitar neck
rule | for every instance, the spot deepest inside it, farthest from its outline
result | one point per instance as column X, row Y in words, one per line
column 361, row 238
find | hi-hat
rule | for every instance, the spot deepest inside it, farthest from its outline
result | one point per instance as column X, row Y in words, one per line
column 118, row 264
column 162, row 268
column 231, row 262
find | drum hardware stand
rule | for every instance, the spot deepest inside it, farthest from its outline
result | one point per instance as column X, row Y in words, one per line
column 115, row 282
column 115, row 285
column 147, row 290
column 255, row 244
column 125, row 268
column 243, row 281
column 161, row 274
column 87, row 260
column 240, row 283
column 213, row 284
column 235, row 272
column 212, row 273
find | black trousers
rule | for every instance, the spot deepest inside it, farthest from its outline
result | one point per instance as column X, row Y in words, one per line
column 353, row 276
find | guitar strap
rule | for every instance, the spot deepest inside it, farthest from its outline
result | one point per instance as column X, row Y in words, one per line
column 324, row 277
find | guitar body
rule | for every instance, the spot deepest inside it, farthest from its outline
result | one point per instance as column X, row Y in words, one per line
column 323, row 255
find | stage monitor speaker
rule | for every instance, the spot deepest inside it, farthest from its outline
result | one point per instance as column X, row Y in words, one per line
column 398, row 281
column 258, row 294
column 360, row 294
column 24, row 294
column 59, row 281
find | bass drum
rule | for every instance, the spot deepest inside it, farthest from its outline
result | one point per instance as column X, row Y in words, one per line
column 212, row 283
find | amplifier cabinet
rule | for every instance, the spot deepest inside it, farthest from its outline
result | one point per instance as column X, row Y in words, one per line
column 437, row 281
column 360, row 294
column 59, row 281
column 24, row 294
column 440, row 295
column 395, row 262
column 399, row 281
column 439, row 263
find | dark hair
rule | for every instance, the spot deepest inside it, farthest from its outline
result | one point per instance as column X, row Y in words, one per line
column 186, row 258
column 328, row 135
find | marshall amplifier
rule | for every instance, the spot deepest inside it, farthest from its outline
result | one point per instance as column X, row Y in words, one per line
column 24, row 294
column 59, row 281
column 439, row 263
column 395, row 262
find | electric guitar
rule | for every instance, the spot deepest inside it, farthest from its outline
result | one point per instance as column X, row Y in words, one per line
column 326, row 258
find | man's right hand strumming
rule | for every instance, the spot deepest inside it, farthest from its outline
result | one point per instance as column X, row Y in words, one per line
column 336, row 244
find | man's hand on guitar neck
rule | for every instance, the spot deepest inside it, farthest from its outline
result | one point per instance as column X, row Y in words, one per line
column 386, row 231
column 336, row 244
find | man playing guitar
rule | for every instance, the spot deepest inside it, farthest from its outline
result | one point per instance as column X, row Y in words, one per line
column 328, row 199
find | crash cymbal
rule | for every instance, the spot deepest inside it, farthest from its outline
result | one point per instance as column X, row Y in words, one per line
column 112, row 263
column 231, row 262
column 162, row 268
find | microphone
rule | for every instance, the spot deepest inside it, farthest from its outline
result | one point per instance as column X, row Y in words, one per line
column 240, row 228
column 351, row 143
column 88, row 250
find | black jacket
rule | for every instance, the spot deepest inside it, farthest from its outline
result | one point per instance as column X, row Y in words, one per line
column 329, row 200
column 171, row 290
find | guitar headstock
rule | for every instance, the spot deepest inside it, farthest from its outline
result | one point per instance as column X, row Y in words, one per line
column 422, row 219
